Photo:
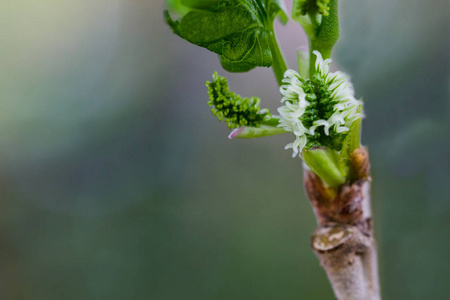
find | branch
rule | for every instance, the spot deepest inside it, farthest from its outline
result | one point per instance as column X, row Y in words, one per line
column 344, row 241
column 349, row 259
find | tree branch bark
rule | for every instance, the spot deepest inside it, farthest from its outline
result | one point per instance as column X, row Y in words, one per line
column 344, row 240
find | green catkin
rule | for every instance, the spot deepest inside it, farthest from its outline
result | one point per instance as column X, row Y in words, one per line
column 231, row 107
column 321, row 107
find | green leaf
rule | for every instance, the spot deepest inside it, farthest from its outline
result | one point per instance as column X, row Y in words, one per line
column 198, row 4
column 350, row 143
column 178, row 7
column 238, row 30
column 325, row 163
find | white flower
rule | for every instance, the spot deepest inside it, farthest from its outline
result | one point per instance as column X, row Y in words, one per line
column 295, row 92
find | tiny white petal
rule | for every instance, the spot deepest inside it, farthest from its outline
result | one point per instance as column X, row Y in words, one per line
column 341, row 129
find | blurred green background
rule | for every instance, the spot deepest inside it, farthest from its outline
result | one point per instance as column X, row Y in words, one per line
column 118, row 183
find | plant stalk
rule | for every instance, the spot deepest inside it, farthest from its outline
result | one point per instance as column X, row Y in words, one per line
column 279, row 64
column 325, row 38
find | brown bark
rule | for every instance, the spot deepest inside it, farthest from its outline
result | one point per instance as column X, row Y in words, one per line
column 344, row 241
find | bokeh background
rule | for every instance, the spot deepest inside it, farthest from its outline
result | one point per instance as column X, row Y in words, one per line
column 117, row 182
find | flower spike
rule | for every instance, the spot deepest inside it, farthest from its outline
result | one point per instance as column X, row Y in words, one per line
column 318, row 111
column 236, row 110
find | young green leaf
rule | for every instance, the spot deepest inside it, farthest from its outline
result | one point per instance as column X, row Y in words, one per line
column 325, row 163
column 238, row 30
column 178, row 7
column 350, row 143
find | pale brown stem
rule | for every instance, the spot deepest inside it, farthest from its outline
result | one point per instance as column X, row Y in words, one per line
column 350, row 261
column 344, row 240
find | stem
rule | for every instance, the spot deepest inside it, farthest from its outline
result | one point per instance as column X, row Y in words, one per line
column 268, row 127
column 349, row 259
column 255, row 132
column 326, row 37
column 344, row 241
column 325, row 50
column 274, row 120
column 279, row 64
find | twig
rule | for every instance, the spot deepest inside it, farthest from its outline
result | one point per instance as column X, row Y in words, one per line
column 344, row 241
